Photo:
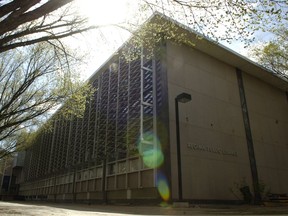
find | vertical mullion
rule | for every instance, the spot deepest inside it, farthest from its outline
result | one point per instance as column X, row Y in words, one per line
column 96, row 136
column 154, row 93
column 141, row 110
column 142, row 99
column 87, row 153
column 68, row 143
column 107, row 113
column 127, row 121
column 116, row 124
column 52, row 148
column 128, row 106
column 40, row 154
column 117, row 104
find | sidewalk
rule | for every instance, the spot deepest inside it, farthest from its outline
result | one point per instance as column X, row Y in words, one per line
column 196, row 210
column 44, row 208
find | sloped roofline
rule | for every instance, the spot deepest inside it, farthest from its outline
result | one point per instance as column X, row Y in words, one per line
column 211, row 48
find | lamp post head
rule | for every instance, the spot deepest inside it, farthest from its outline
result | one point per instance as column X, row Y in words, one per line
column 184, row 97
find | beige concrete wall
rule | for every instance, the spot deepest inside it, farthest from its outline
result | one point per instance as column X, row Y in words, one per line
column 136, row 184
column 214, row 150
column 268, row 112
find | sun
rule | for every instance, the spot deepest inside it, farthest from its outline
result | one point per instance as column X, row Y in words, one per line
column 106, row 12
column 102, row 42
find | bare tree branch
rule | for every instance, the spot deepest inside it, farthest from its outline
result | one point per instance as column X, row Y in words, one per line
column 34, row 81
column 14, row 20
column 42, row 39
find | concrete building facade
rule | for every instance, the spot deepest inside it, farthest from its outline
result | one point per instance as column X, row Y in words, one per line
column 233, row 132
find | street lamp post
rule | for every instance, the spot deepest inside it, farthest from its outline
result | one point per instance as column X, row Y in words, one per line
column 182, row 98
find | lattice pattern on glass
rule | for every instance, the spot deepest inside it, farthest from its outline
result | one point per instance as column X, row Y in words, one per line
column 111, row 125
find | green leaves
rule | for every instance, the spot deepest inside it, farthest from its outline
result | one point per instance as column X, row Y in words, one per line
column 227, row 20
column 273, row 54
column 35, row 81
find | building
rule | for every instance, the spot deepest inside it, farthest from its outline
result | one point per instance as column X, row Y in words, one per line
column 233, row 134
column 10, row 176
column 5, row 175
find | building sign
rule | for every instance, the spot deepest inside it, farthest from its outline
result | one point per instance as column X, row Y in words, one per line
column 215, row 150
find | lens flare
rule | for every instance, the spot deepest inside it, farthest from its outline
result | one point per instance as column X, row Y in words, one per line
column 150, row 150
column 163, row 187
column 153, row 158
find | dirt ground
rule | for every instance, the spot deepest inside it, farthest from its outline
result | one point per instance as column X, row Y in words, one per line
column 49, row 209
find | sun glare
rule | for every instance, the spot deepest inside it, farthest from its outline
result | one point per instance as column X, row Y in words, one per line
column 105, row 12
column 100, row 43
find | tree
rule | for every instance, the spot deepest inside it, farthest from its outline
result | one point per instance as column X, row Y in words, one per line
column 22, row 21
column 273, row 55
column 26, row 22
column 37, row 70
column 35, row 67
column 227, row 20
column 34, row 80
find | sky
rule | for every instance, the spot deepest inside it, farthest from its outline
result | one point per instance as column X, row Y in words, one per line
column 100, row 44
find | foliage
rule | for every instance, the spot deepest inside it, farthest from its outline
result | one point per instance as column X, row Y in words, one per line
column 217, row 20
column 241, row 188
column 237, row 189
column 227, row 20
column 34, row 81
column 273, row 55
column 26, row 22
column 31, row 21
column 4, row 164
column 37, row 71
column 152, row 35
column 35, row 67
column 264, row 190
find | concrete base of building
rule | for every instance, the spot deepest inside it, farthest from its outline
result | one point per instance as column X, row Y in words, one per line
column 148, row 195
column 180, row 204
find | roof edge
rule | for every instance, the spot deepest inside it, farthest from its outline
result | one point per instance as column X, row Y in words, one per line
column 212, row 48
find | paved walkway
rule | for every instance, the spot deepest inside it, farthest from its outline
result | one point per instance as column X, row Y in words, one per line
column 49, row 209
